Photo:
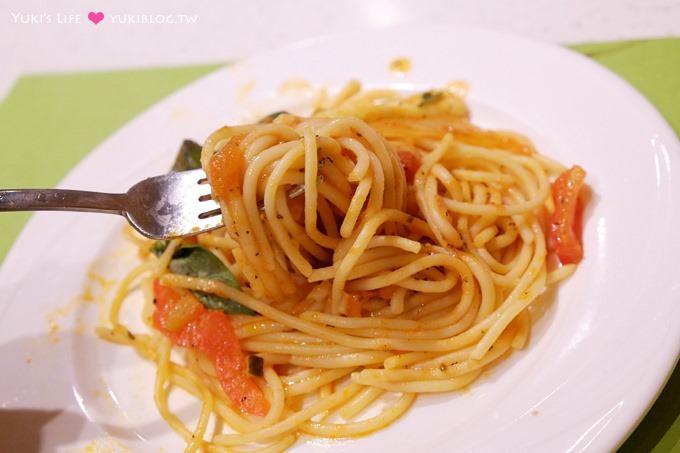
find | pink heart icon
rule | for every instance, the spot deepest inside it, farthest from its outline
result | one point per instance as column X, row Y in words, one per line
column 95, row 18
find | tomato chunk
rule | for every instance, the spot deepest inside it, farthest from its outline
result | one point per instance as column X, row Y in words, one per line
column 226, row 170
column 411, row 164
column 353, row 303
column 187, row 323
column 565, row 222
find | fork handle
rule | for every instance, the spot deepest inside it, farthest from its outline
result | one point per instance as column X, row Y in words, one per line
column 61, row 200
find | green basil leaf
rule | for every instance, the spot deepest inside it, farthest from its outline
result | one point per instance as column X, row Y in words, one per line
column 430, row 97
column 188, row 157
column 213, row 302
column 255, row 365
column 158, row 247
column 196, row 261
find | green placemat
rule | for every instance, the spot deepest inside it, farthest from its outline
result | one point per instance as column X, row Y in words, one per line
column 48, row 123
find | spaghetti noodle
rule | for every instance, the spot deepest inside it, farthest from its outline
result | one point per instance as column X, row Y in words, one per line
column 382, row 247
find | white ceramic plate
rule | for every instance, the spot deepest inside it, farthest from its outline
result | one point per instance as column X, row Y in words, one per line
column 597, row 358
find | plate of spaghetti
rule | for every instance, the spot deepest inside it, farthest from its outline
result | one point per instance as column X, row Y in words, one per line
column 455, row 241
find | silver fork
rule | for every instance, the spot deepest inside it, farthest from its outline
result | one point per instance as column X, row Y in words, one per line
column 163, row 207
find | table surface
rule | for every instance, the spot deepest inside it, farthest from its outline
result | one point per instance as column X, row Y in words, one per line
column 222, row 31
column 58, row 38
